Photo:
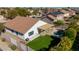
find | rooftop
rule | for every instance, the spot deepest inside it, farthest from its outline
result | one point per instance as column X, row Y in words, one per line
column 46, row 26
column 55, row 13
column 21, row 24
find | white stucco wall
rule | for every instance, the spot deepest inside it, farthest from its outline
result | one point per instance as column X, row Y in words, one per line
column 14, row 34
column 60, row 17
column 34, row 28
column 66, row 15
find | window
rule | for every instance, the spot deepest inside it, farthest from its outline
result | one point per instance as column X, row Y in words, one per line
column 27, row 39
column 16, row 33
column 31, row 33
column 20, row 33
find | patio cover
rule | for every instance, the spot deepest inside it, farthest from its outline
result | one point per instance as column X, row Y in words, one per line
column 46, row 26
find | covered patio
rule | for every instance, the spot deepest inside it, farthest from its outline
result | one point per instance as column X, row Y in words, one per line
column 46, row 29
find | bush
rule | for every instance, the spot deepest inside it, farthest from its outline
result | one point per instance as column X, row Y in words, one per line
column 64, row 45
column 11, row 14
column 13, row 47
column 71, row 33
column 59, row 22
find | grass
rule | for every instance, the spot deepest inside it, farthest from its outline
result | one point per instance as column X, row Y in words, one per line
column 40, row 42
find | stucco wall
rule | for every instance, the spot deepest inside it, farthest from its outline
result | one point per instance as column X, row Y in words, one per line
column 20, row 36
column 66, row 15
column 35, row 29
column 60, row 17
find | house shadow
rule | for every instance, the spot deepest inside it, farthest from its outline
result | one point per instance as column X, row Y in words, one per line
column 56, row 38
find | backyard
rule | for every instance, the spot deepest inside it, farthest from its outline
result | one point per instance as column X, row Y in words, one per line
column 40, row 42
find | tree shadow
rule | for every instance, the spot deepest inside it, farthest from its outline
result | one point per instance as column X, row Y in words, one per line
column 54, row 42
column 75, row 46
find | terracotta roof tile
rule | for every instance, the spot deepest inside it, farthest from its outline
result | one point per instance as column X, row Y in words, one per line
column 51, row 16
column 21, row 24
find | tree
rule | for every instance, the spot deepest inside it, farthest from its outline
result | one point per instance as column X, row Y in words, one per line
column 59, row 22
column 11, row 14
column 22, row 11
column 71, row 33
column 74, row 25
column 28, row 13
column 2, row 28
column 35, row 12
column 76, row 17
column 3, row 12
column 64, row 45
column 74, row 22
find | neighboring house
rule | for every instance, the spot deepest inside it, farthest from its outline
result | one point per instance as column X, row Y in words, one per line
column 68, row 12
column 61, row 14
column 72, row 12
column 24, row 27
column 2, row 19
column 47, row 20
column 56, row 15
column 75, row 9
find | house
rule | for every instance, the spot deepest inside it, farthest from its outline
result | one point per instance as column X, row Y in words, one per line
column 59, row 14
column 68, row 12
column 2, row 19
column 24, row 27
column 72, row 12
column 76, row 10
column 55, row 15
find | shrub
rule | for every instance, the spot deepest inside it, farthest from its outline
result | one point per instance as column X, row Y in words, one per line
column 13, row 47
column 65, row 44
column 59, row 22
column 71, row 33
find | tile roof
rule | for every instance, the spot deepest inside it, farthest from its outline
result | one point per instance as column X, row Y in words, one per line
column 21, row 24
column 50, row 16
column 64, row 11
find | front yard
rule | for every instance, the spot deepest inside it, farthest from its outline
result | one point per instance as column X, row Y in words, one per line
column 40, row 42
column 4, row 45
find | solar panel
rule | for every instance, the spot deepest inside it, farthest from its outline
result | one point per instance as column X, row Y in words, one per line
column 55, row 13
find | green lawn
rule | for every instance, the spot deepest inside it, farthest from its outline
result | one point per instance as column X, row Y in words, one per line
column 40, row 42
